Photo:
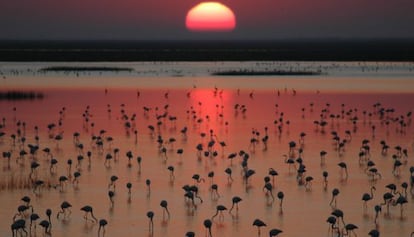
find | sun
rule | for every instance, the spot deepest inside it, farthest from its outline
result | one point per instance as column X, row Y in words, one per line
column 210, row 16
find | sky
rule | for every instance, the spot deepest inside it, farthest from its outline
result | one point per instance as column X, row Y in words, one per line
column 165, row 19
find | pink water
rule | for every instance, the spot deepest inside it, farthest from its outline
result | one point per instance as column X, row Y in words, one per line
column 304, row 211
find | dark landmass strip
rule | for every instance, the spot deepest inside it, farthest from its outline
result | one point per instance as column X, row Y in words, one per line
column 21, row 95
column 282, row 50
column 84, row 69
column 265, row 73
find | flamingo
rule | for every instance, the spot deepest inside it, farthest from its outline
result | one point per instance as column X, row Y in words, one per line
column 273, row 173
column 18, row 225
column 190, row 234
column 269, row 189
column 164, row 205
column 377, row 209
column 308, row 183
column 258, row 223
column 150, row 216
column 322, row 156
column 388, row 199
column 289, row 161
column 374, row 233
column 148, row 183
column 214, row 191
column 235, row 200
column 335, row 193
column 46, row 225
column 111, row 195
column 88, row 209
column 325, row 179
column 274, row 232
column 171, row 169
column 49, row 214
column 332, row 221
column 401, row 200
column 344, row 169
column 207, row 224
column 26, row 200
column 65, row 207
column 102, row 224
column 219, row 209
column 33, row 218
column 366, row 197
column 228, row 171
column 349, row 228
column 338, row 214
column 112, row 183
column 129, row 187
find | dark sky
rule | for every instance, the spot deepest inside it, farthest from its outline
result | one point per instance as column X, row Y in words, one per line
column 165, row 19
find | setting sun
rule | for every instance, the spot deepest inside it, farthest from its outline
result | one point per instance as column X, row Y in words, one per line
column 210, row 16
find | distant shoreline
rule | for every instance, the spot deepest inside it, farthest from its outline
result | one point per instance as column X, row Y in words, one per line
column 85, row 69
column 124, row 51
column 265, row 73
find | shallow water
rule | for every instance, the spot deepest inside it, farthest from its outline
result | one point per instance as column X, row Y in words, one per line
column 303, row 211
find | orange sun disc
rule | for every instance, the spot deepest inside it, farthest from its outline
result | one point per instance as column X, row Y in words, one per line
column 210, row 16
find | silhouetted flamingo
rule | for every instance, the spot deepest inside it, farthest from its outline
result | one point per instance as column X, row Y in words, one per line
column 62, row 181
column 111, row 195
column 388, row 199
column 171, row 169
column 49, row 214
column 148, row 183
column 377, row 209
column 339, row 214
column 374, row 233
column 18, row 225
column 112, row 183
column 219, row 209
column 102, row 224
column 26, row 200
column 325, row 179
column 308, row 183
column 139, row 161
column 396, row 166
column 129, row 187
column 343, row 169
column 401, row 200
column 366, row 197
column 235, row 202
column 332, row 221
column 349, row 228
column 33, row 218
column 207, row 224
column 228, row 171
column 274, row 232
column 289, row 161
column 76, row 176
column 190, row 234
column 45, row 224
column 197, row 178
column 273, row 173
column 88, row 209
column 248, row 174
column 150, row 216
column 164, row 204
column 258, row 223
column 404, row 185
column 323, row 155
column 269, row 189
column 335, row 193
column 21, row 210
column 65, row 209
column 214, row 192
